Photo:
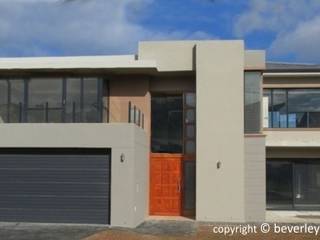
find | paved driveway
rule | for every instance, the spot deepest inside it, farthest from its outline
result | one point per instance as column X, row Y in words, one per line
column 29, row 231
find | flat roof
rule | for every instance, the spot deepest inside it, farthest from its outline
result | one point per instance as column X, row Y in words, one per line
column 120, row 62
column 291, row 67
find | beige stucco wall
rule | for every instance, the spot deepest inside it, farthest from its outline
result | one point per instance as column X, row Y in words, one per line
column 255, row 59
column 255, row 178
column 129, row 184
column 173, row 84
column 170, row 56
column 175, row 56
column 293, row 152
column 123, row 89
column 293, row 138
column 220, row 193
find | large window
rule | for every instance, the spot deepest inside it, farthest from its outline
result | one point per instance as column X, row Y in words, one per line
column 167, row 123
column 279, row 184
column 292, row 108
column 293, row 184
column 52, row 100
column 45, row 102
column 252, row 95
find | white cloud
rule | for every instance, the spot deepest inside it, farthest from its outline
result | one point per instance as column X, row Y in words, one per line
column 78, row 27
column 303, row 41
column 275, row 15
column 295, row 23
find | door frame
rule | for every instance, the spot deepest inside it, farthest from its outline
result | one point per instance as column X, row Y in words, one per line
column 183, row 155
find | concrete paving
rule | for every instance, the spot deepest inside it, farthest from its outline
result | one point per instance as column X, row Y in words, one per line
column 30, row 231
column 293, row 216
column 168, row 227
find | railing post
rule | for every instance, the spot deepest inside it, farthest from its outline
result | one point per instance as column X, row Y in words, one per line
column 73, row 112
column 46, row 112
column 20, row 112
column 142, row 120
column 134, row 114
column 129, row 112
column 139, row 117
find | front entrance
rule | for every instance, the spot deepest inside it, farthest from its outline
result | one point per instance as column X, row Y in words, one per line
column 172, row 159
column 165, row 182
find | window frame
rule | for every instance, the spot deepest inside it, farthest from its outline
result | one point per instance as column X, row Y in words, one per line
column 286, row 90
column 23, row 118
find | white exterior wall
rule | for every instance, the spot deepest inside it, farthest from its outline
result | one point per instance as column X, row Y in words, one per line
column 255, row 178
column 129, row 179
column 293, row 138
column 220, row 193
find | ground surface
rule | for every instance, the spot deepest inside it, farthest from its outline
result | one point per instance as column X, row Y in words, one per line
column 23, row 231
column 150, row 230
column 179, row 230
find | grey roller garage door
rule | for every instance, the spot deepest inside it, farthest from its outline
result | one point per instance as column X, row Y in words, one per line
column 55, row 185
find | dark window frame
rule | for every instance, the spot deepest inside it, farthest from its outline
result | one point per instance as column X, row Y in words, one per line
column 294, row 163
column 287, row 113
column 169, row 144
column 23, row 116
column 250, row 126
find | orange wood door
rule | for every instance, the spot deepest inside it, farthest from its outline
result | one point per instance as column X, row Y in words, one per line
column 165, row 184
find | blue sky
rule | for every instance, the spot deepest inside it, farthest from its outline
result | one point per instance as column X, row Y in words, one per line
column 289, row 30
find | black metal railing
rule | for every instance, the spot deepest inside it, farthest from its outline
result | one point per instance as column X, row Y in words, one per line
column 135, row 115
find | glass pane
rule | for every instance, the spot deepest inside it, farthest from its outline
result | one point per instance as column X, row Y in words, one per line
column 45, row 100
column 296, row 120
column 279, row 116
column 304, row 104
column 307, row 185
column 252, row 113
column 90, row 100
column 267, row 111
column 191, row 99
column 16, row 100
column 190, row 116
column 73, row 103
column 314, row 119
column 190, row 131
column 189, row 197
column 167, row 124
column 279, row 184
column 190, row 147
column 3, row 101
column 132, row 114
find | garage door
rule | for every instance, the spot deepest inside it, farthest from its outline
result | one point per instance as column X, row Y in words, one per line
column 55, row 185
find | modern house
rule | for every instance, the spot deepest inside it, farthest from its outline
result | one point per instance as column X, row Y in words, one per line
column 291, row 101
column 183, row 128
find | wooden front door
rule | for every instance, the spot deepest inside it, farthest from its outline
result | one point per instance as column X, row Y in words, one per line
column 165, row 184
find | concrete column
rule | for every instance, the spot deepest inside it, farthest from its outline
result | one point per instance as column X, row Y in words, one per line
column 220, row 192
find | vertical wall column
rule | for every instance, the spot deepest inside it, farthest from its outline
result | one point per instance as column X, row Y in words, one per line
column 220, row 185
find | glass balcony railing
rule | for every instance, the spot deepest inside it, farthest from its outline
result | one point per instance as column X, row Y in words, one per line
column 294, row 120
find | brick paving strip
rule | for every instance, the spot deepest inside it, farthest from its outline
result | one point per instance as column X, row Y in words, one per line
column 172, row 230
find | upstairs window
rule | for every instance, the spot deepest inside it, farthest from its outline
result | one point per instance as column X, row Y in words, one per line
column 167, row 123
column 51, row 100
column 292, row 108
column 252, row 99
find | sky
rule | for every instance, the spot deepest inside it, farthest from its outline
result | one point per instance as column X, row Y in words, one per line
column 289, row 30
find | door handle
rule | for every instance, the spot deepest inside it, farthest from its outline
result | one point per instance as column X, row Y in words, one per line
column 179, row 186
